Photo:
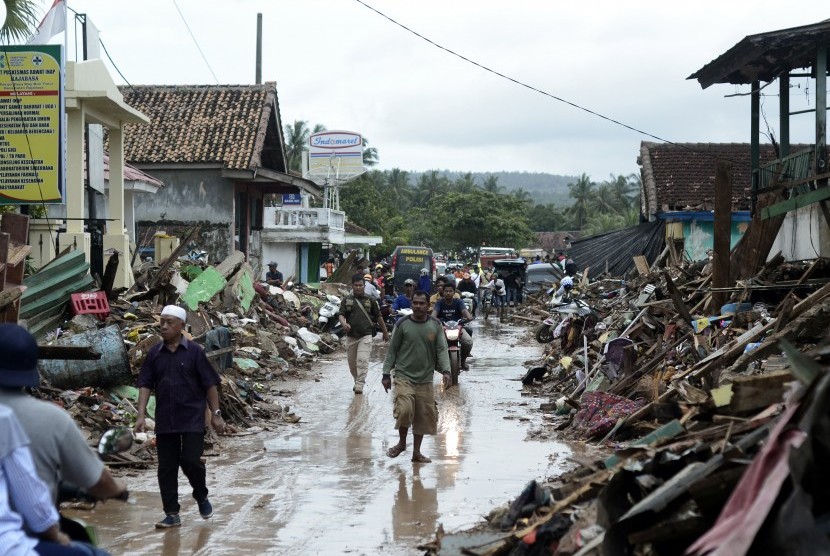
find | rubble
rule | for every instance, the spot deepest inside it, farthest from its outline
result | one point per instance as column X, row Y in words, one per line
column 710, row 416
column 255, row 335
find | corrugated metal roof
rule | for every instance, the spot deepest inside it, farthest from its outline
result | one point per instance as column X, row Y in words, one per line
column 766, row 56
column 618, row 248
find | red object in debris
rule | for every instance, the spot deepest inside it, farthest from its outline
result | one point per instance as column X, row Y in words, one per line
column 91, row 303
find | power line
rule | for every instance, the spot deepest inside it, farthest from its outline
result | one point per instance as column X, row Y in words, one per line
column 516, row 81
column 547, row 94
column 196, row 42
column 113, row 63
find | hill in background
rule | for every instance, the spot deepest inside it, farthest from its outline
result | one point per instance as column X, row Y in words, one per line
column 543, row 188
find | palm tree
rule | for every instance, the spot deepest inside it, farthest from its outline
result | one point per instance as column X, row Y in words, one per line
column 465, row 184
column 622, row 189
column 22, row 17
column 491, row 184
column 522, row 196
column 296, row 139
column 398, row 188
column 430, row 185
column 583, row 192
column 370, row 154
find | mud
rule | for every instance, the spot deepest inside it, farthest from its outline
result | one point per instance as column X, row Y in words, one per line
column 325, row 486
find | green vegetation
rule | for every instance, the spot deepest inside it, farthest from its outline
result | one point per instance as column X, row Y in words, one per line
column 452, row 215
column 450, row 211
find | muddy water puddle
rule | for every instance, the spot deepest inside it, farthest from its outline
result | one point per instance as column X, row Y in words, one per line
column 325, row 486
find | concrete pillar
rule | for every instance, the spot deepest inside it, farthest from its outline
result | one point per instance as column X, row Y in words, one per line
column 116, row 189
column 75, row 237
column 116, row 238
column 42, row 234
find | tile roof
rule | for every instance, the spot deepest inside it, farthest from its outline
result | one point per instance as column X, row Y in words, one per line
column 227, row 124
column 682, row 175
column 556, row 241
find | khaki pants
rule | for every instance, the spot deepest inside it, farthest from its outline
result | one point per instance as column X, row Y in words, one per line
column 358, row 350
column 414, row 406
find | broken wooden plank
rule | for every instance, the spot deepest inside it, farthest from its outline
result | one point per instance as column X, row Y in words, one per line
column 641, row 263
column 677, row 298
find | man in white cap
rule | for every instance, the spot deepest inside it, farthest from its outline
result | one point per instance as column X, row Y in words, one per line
column 184, row 382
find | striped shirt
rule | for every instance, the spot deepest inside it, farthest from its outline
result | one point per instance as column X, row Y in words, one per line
column 20, row 483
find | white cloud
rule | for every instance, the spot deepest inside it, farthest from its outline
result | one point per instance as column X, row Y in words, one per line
column 338, row 63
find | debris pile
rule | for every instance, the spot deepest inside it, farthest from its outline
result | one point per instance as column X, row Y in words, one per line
column 254, row 334
column 711, row 414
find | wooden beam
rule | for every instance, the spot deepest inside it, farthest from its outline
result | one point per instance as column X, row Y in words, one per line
column 723, row 231
column 795, row 203
column 677, row 298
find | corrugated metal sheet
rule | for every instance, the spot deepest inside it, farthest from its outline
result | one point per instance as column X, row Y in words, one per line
column 47, row 292
column 618, row 248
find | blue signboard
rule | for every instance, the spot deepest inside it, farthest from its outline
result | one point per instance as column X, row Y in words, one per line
column 292, row 199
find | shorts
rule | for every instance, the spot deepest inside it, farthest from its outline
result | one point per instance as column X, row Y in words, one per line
column 414, row 406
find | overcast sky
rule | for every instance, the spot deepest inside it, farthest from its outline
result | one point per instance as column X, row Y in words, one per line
column 340, row 64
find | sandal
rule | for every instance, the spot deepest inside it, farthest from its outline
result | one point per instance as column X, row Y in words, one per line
column 420, row 458
column 395, row 451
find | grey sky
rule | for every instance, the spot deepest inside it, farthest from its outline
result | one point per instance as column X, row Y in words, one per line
column 337, row 63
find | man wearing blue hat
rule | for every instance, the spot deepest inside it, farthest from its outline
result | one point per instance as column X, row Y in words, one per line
column 59, row 449
column 185, row 383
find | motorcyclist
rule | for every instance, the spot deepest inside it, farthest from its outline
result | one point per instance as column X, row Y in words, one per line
column 424, row 283
column 370, row 289
column 439, row 290
column 467, row 285
column 450, row 307
column 404, row 300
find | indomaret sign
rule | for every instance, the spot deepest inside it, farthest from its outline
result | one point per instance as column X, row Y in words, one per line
column 31, row 124
column 335, row 154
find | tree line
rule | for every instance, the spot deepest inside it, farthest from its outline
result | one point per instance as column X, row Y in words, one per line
column 453, row 214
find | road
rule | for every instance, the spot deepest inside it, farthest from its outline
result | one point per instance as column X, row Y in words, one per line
column 325, row 486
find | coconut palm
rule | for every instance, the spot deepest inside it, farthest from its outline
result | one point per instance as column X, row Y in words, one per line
column 430, row 185
column 623, row 190
column 22, row 18
column 465, row 183
column 522, row 196
column 398, row 188
column 296, row 138
column 370, row 154
column 582, row 192
column 491, row 184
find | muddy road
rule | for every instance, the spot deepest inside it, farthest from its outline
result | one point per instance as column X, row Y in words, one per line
column 325, row 486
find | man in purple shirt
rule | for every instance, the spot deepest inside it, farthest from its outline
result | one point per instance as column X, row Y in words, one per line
column 184, row 383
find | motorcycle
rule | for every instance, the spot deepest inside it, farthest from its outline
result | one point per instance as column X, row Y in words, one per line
column 469, row 300
column 486, row 301
column 113, row 441
column 452, row 331
column 327, row 316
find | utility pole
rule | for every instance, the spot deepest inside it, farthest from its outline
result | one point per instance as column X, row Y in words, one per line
column 258, row 48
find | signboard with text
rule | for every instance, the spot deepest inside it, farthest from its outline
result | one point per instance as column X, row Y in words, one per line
column 31, row 124
column 335, row 154
column 292, row 199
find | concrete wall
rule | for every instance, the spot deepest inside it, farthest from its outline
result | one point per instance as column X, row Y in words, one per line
column 190, row 197
column 699, row 237
column 803, row 235
column 286, row 256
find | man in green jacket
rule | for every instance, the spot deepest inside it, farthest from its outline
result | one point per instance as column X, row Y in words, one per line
column 418, row 345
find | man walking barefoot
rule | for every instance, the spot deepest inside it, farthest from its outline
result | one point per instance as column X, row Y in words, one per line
column 418, row 342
